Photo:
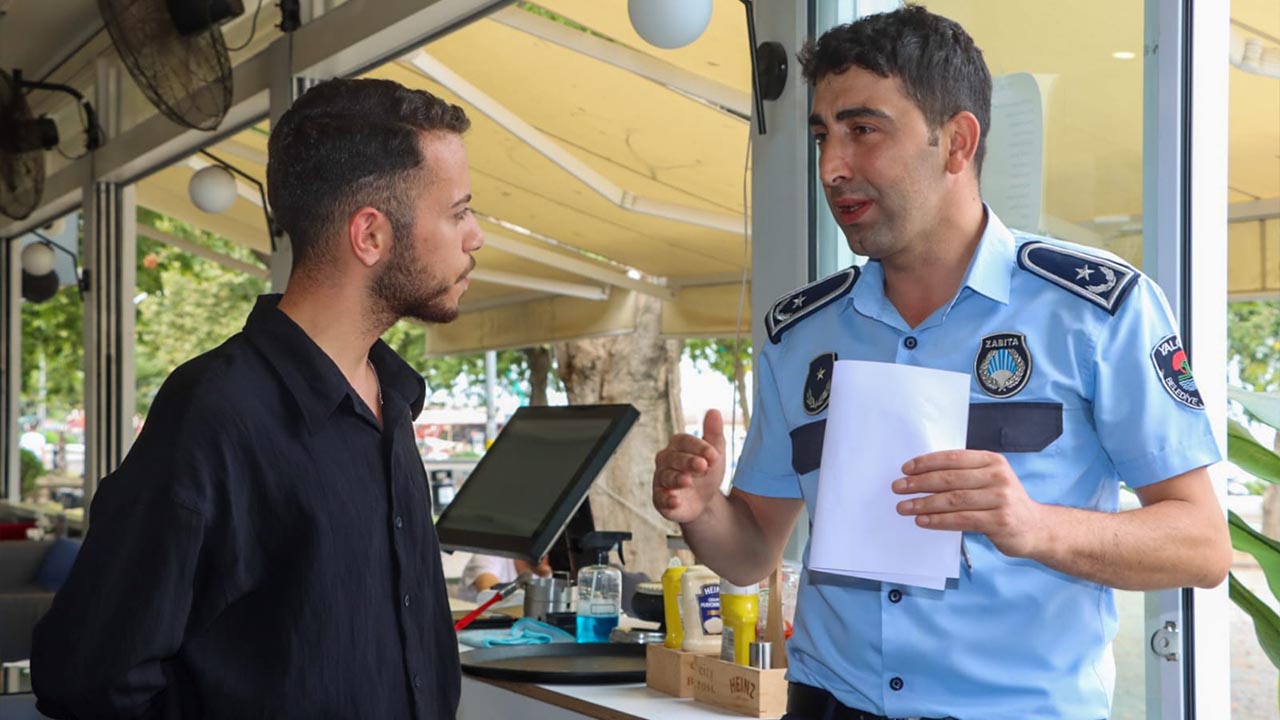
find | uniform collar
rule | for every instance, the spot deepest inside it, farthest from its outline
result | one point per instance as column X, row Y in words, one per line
column 991, row 269
column 990, row 272
column 312, row 378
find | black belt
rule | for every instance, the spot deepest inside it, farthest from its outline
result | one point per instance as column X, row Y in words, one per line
column 811, row 703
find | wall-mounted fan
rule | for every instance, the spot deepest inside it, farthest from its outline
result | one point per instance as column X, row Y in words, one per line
column 175, row 52
column 23, row 140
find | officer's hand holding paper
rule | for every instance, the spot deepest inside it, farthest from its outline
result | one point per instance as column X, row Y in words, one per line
column 880, row 416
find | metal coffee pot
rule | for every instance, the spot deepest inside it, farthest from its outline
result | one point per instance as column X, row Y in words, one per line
column 544, row 595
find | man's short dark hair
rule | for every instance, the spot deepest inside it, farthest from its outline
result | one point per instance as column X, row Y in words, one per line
column 936, row 61
column 346, row 144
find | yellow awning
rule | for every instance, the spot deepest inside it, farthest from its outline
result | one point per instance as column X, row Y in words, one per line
column 597, row 176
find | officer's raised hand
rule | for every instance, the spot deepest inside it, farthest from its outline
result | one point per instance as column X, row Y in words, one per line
column 972, row 491
column 688, row 472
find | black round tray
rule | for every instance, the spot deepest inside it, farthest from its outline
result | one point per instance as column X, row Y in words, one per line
column 567, row 663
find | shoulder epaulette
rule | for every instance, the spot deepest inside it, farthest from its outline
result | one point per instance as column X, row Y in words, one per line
column 797, row 305
column 1100, row 280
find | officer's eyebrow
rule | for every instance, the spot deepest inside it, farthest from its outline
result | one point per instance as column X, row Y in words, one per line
column 853, row 113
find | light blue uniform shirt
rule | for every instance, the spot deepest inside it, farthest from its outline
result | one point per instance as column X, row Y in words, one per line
column 1078, row 378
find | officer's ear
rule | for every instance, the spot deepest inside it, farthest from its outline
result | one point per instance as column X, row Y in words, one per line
column 958, row 138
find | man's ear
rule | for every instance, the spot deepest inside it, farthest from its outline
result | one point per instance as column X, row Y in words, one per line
column 961, row 134
column 369, row 236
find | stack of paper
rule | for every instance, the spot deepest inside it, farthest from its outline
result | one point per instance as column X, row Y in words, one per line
column 881, row 415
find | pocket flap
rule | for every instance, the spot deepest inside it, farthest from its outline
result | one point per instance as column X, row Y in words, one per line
column 1014, row 426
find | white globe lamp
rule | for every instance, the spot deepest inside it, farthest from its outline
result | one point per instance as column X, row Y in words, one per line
column 213, row 189
column 669, row 24
column 37, row 259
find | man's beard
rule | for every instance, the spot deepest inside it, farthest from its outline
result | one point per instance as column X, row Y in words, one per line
column 405, row 289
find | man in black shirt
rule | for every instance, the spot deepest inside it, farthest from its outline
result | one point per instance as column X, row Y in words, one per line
column 266, row 548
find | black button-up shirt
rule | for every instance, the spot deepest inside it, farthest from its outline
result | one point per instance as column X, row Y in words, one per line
column 264, row 551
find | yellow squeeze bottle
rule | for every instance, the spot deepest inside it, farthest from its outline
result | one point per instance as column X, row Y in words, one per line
column 671, row 603
column 739, row 609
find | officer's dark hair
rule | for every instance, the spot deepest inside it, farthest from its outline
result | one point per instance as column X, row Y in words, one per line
column 939, row 66
column 347, row 144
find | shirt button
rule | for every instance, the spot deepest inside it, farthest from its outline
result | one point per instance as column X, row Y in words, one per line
column 406, row 599
column 399, row 522
column 910, row 342
column 895, row 595
column 417, row 681
column 895, row 684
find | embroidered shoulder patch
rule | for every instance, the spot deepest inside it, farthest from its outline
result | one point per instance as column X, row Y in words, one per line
column 797, row 305
column 1099, row 280
column 1174, row 370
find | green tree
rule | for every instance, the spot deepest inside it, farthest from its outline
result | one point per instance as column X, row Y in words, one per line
column 53, row 336
column 191, row 304
column 1253, row 347
column 1253, row 335
column 730, row 358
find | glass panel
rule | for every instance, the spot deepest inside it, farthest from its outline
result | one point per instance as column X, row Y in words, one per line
column 1253, row 280
column 51, row 423
column 1064, row 159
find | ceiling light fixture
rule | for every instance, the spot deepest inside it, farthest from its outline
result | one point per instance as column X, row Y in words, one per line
column 1124, row 55
column 213, row 190
column 669, row 24
column 39, row 280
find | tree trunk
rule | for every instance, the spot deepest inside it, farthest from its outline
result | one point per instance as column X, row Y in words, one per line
column 642, row 369
column 539, row 359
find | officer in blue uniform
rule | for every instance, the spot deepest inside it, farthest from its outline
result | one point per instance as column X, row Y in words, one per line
column 1078, row 383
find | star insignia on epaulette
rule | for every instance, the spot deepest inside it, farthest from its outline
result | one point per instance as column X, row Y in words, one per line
column 803, row 302
column 1075, row 272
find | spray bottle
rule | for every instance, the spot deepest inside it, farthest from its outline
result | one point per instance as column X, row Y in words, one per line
column 600, row 588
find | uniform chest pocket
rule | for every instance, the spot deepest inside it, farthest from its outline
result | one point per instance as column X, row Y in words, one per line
column 999, row 427
column 1014, row 426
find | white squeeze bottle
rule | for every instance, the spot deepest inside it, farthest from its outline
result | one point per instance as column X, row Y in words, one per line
column 700, row 601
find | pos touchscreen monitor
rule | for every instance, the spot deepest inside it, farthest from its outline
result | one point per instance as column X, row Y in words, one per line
column 529, row 483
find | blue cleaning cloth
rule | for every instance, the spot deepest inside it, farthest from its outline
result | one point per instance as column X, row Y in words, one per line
column 525, row 631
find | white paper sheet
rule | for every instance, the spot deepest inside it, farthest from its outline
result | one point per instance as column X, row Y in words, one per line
column 881, row 415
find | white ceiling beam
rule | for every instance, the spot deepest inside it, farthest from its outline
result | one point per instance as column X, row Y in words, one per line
column 550, row 149
column 529, row 282
column 518, row 298
column 1249, row 210
column 735, row 102
column 197, row 249
column 577, row 266
column 709, row 279
column 237, row 149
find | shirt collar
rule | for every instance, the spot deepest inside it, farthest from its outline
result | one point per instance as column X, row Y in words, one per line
column 991, row 269
column 311, row 376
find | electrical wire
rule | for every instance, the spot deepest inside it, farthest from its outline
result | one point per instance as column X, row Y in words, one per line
column 253, row 29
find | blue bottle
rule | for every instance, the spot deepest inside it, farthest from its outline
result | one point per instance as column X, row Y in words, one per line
column 600, row 588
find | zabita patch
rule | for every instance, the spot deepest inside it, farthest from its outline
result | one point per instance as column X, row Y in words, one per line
column 1174, row 369
column 1003, row 364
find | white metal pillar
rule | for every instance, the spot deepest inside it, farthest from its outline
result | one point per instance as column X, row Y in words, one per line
column 780, row 194
column 1185, row 251
column 110, row 263
column 10, row 366
column 284, row 88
